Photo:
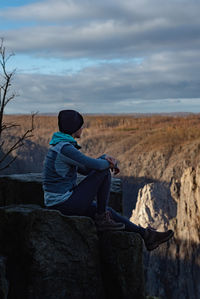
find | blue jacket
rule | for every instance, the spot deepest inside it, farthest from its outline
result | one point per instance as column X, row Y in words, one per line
column 62, row 162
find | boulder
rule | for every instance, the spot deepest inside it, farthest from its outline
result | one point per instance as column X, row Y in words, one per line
column 27, row 189
column 3, row 279
column 122, row 271
column 50, row 256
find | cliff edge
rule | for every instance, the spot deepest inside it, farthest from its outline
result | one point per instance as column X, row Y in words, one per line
column 49, row 255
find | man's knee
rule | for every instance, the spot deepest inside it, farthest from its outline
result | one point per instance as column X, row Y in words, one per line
column 105, row 172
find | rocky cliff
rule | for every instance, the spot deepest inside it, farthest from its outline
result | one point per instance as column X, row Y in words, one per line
column 27, row 189
column 44, row 254
column 173, row 270
column 48, row 255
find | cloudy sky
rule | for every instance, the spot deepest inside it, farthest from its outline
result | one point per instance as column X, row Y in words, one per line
column 103, row 56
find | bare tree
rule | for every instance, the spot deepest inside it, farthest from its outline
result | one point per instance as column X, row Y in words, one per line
column 6, row 95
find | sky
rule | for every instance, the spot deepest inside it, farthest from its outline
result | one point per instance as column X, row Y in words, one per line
column 108, row 56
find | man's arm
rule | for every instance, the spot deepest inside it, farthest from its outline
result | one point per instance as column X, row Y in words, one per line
column 84, row 163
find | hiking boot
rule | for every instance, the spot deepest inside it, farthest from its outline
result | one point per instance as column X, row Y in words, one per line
column 153, row 239
column 105, row 222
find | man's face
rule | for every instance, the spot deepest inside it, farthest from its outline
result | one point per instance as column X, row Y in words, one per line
column 78, row 133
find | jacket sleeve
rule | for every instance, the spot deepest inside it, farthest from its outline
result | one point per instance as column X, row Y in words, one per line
column 83, row 162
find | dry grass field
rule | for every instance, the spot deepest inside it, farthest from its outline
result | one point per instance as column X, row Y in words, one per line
column 155, row 146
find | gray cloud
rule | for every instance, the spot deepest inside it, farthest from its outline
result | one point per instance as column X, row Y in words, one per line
column 103, row 29
column 165, row 34
column 86, row 10
column 113, row 86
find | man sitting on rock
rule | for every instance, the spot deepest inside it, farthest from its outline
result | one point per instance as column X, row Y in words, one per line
column 61, row 192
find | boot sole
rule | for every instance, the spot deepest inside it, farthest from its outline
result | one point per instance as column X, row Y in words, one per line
column 156, row 244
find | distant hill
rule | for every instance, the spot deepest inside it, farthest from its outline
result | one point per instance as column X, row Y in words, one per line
column 154, row 147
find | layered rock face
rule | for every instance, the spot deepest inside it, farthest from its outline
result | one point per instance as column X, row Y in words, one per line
column 155, row 206
column 3, row 281
column 122, row 263
column 27, row 189
column 173, row 270
column 49, row 255
column 188, row 232
column 44, row 254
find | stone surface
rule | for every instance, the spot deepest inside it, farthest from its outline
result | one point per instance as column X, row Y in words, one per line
column 27, row 189
column 188, row 233
column 21, row 189
column 50, row 255
column 155, row 206
column 53, row 256
column 3, row 280
column 122, row 263
column 173, row 270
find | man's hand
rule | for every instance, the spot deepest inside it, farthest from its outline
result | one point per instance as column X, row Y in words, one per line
column 113, row 164
column 116, row 170
column 111, row 160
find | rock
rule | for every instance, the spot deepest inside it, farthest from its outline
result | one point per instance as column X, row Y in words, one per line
column 188, row 233
column 27, row 189
column 21, row 189
column 155, row 206
column 173, row 270
column 121, row 258
column 50, row 255
column 3, row 280
column 188, row 213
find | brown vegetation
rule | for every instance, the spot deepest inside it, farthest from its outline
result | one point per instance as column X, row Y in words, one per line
column 144, row 145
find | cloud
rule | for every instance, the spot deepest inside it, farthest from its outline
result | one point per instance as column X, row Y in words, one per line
column 112, row 87
column 103, row 29
column 111, row 35
column 87, row 10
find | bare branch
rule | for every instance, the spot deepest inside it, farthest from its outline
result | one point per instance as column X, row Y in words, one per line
column 4, row 89
column 6, row 126
column 28, row 134
column 9, row 99
column 17, row 144
column 5, row 98
column 7, row 165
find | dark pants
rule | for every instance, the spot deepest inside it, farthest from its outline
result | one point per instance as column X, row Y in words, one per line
column 81, row 202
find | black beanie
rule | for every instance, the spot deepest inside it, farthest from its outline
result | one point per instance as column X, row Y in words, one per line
column 69, row 121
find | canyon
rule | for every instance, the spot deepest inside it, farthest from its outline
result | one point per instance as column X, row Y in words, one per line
column 159, row 161
column 173, row 270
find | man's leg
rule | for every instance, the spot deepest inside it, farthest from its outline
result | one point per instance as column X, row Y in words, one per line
column 103, row 194
column 97, row 183
column 151, row 237
column 129, row 226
